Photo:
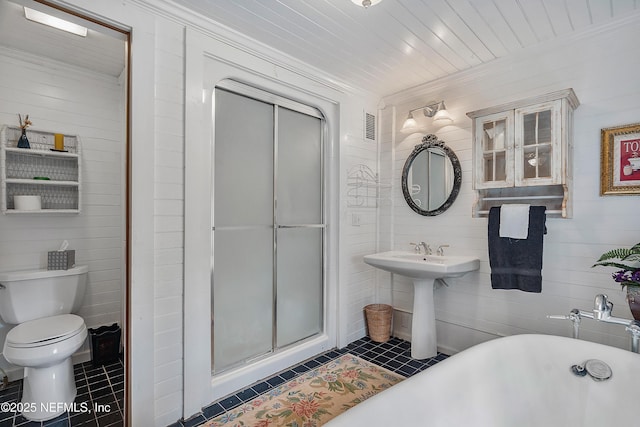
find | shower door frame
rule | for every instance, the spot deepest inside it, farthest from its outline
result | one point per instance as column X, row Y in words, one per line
column 208, row 62
column 277, row 102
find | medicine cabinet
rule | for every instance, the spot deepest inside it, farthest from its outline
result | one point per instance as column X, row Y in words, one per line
column 522, row 153
column 40, row 171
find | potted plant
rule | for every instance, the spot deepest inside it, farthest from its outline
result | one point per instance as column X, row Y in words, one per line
column 627, row 260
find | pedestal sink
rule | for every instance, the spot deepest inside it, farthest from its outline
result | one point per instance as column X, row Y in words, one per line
column 424, row 270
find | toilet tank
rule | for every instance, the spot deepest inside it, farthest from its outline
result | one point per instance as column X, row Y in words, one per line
column 33, row 294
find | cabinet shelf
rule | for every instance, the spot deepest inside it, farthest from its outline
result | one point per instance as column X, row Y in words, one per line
column 41, row 153
column 44, row 182
column 507, row 198
column 60, row 192
column 41, row 211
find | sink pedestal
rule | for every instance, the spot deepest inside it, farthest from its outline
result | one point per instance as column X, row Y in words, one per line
column 423, row 323
column 424, row 270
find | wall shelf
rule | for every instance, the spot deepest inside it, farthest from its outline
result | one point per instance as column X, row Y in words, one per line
column 363, row 187
column 554, row 197
column 55, row 176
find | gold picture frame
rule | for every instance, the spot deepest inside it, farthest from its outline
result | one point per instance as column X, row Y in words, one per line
column 620, row 160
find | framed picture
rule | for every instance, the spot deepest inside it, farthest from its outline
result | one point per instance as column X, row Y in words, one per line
column 620, row 160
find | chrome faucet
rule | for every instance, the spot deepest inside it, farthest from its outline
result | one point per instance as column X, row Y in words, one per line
column 440, row 250
column 427, row 248
column 602, row 309
column 423, row 245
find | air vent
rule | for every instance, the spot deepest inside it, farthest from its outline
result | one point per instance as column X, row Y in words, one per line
column 369, row 127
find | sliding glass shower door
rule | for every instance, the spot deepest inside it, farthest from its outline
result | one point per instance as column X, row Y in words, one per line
column 267, row 285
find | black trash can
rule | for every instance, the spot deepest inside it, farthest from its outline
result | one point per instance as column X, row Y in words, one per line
column 105, row 344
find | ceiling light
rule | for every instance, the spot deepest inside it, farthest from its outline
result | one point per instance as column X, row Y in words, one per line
column 366, row 3
column 52, row 21
column 437, row 110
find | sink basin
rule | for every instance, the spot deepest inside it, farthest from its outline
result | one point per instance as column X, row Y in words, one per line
column 424, row 270
column 419, row 266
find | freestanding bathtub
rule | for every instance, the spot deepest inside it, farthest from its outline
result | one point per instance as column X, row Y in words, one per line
column 521, row 380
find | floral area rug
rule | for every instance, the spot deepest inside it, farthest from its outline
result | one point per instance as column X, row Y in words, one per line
column 313, row 398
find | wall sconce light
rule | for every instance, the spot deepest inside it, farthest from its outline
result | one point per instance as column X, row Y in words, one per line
column 437, row 110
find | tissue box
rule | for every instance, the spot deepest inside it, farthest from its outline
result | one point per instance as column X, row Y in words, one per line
column 61, row 260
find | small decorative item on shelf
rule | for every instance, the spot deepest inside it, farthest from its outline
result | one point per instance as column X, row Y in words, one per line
column 628, row 261
column 58, row 142
column 23, row 142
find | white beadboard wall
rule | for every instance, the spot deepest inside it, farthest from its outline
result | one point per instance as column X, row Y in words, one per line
column 168, row 220
column 601, row 68
column 70, row 100
column 359, row 222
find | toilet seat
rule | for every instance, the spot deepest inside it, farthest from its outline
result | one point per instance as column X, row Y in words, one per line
column 45, row 331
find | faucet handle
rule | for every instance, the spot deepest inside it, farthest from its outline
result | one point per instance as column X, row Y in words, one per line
column 440, row 250
column 416, row 247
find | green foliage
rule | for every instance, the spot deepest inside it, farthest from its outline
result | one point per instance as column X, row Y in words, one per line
column 627, row 260
column 624, row 255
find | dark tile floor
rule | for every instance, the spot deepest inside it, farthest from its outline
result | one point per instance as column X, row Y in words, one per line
column 99, row 402
column 394, row 355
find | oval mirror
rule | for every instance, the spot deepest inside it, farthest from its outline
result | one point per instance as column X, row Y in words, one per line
column 431, row 177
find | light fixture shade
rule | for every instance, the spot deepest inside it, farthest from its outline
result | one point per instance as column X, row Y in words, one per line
column 442, row 116
column 366, row 3
column 410, row 125
column 52, row 21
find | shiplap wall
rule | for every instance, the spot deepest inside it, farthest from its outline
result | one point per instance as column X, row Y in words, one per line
column 359, row 222
column 169, row 219
column 65, row 99
column 601, row 68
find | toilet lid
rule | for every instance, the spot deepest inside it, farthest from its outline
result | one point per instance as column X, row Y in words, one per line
column 45, row 331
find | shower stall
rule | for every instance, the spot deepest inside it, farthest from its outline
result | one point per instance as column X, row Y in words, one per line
column 268, row 281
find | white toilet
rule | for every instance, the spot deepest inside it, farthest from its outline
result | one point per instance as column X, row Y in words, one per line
column 46, row 335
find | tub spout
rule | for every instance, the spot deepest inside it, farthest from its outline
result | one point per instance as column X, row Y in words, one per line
column 602, row 307
column 602, row 310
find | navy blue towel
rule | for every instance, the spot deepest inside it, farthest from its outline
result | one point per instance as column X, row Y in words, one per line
column 517, row 263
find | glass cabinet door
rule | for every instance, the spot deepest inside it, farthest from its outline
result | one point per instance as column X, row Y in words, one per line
column 494, row 150
column 537, row 129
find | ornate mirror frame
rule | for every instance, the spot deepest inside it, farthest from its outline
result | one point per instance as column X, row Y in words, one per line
column 430, row 141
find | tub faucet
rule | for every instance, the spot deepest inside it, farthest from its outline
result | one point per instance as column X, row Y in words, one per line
column 601, row 312
column 602, row 307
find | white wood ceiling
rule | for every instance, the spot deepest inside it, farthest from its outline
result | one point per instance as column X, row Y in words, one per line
column 398, row 44
column 103, row 50
column 394, row 45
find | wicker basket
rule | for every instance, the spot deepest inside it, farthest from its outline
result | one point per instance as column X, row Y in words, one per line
column 379, row 321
